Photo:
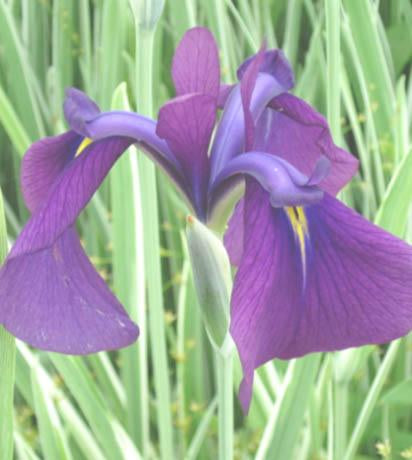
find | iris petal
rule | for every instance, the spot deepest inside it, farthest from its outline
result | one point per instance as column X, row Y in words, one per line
column 285, row 185
column 55, row 300
column 300, row 135
column 78, row 109
column 273, row 62
column 186, row 123
column 356, row 289
column 129, row 125
column 230, row 135
column 42, row 164
column 69, row 194
column 195, row 67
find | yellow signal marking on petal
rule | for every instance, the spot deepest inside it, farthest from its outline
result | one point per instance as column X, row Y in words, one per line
column 297, row 219
column 85, row 142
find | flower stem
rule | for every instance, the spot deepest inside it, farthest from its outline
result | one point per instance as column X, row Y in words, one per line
column 224, row 365
column 7, row 366
column 371, row 399
column 144, row 92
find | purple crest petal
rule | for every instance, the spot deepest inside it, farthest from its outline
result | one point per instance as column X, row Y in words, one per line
column 300, row 135
column 42, row 163
column 79, row 108
column 356, row 288
column 247, row 85
column 125, row 124
column 55, row 300
column 230, row 135
column 70, row 193
column 195, row 67
column 274, row 63
column 285, row 184
column 186, row 123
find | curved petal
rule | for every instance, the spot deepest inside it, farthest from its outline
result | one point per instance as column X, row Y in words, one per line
column 285, row 184
column 274, row 63
column 300, row 135
column 55, row 300
column 229, row 140
column 262, row 77
column 71, row 191
column 186, row 123
column 78, row 109
column 129, row 125
column 248, row 76
column 195, row 67
column 42, row 164
column 349, row 286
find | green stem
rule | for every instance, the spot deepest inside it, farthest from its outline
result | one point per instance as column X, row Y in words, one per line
column 144, row 91
column 371, row 399
column 7, row 367
column 333, row 88
column 224, row 364
column 340, row 401
column 224, row 38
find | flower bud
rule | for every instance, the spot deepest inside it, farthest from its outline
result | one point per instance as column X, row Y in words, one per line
column 212, row 278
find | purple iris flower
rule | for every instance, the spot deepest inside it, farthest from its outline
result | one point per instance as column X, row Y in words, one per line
column 313, row 275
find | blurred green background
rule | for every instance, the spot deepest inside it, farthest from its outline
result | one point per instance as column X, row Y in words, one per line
column 157, row 399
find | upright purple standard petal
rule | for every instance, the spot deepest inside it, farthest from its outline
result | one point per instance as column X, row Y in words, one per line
column 230, row 135
column 247, row 85
column 55, row 300
column 300, row 135
column 271, row 62
column 320, row 278
column 186, row 123
column 42, row 164
column 274, row 63
column 195, row 67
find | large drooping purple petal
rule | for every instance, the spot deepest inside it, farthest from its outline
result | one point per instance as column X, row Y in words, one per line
column 42, row 164
column 294, row 131
column 69, row 194
column 55, row 300
column 350, row 286
column 286, row 186
column 186, row 123
column 195, row 67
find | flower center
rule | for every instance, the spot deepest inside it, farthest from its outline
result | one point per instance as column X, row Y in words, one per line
column 85, row 142
column 299, row 223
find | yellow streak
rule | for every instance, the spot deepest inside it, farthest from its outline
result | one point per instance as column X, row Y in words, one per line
column 85, row 142
column 299, row 224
